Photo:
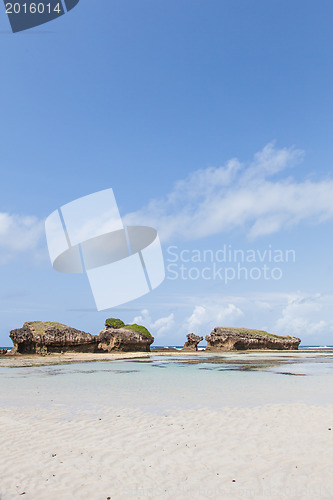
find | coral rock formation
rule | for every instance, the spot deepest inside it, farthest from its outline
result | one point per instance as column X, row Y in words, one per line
column 234, row 339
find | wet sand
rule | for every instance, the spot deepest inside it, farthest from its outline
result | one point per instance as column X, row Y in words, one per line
column 75, row 357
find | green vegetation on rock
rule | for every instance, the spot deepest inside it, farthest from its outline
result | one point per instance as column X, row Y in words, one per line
column 41, row 326
column 117, row 323
column 114, row 323
column 139, row 329
column 248, row 331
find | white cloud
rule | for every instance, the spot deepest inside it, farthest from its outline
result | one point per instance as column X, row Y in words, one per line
column 204, row 318
column 18, row 234
column 237, row 195
column 306, row 315
column 201, row 321
column 158, row 328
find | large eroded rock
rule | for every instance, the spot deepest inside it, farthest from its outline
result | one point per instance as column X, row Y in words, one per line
column 192, row 342
column 42, row 337
column 235, row 339
column 123, row 339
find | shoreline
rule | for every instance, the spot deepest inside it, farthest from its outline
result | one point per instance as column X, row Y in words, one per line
column 28, row 360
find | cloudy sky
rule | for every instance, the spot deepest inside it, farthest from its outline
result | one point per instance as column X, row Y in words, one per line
column 212, row 122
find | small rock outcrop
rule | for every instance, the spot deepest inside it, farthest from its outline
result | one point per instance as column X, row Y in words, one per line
column 3, row 351
column 192, row 342
column 116, row 336
column 236, row 339
column 43, row 337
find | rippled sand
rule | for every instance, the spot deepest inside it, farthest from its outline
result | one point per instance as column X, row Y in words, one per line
column 270, row 452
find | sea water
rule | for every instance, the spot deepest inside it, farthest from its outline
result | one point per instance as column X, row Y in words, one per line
column 165, row 383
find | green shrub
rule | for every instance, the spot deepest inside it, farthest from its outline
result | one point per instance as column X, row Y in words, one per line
column 139, row 329
column 114, row 323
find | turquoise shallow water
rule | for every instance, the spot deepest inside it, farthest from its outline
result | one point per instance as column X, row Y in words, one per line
column 158, row 384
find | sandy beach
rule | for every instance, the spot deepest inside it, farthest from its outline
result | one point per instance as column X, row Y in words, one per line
column 123, row 446
column 269, row 452
column 66, row 358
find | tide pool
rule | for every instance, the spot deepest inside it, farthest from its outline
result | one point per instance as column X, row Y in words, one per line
column 163, row 383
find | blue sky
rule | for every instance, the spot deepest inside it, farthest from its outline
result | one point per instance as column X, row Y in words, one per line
column 211, row 121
